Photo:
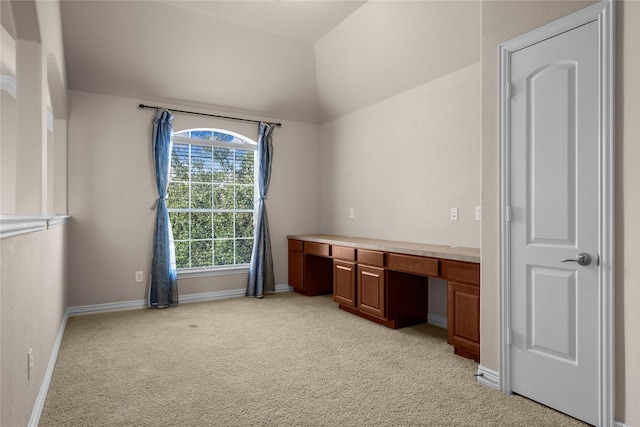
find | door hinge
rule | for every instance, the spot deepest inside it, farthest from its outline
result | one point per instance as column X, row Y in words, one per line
column 509, row 336
column 509, row 89
column 507, row 212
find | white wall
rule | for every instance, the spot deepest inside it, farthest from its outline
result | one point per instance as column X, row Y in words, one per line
column 404, row 162
column 111, row 187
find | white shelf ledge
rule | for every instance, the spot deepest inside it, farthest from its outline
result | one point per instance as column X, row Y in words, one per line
column 14, row 225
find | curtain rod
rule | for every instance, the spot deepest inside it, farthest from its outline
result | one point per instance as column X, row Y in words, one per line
column 209, row 115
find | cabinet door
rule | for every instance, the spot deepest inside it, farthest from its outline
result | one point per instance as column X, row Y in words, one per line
column 344, row 283
column 371, row 292
column 296, row 262
column 463, row 321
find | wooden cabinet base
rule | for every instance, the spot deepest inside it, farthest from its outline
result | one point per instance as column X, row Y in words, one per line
column 388, row 323
column 466, row 353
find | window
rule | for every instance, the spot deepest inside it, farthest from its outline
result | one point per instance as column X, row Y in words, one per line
column 211, row 198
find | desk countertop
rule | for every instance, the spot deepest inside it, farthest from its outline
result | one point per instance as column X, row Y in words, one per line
column 456, row 253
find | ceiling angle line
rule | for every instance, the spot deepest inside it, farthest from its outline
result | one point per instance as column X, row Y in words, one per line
column 210, row 115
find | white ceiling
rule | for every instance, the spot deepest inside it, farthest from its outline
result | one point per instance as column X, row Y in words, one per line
column 302, row 20
column 251, row 56
column 308, row 61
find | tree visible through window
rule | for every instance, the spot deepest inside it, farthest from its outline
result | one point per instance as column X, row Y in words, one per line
column 211, row 198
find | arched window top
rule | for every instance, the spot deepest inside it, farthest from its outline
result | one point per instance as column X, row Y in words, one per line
column 214, row 138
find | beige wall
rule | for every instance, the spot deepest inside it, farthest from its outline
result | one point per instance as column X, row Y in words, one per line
column 111, row 187
column 388, row 47
column 33, row 276
column 33, row 267
column 404, row 162
column 502, row 21
column 627, row 207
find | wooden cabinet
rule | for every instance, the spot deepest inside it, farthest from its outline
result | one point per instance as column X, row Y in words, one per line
column 344, row 275
column 414, row 264
column 390, row 288
column 463, row 308
column 344, row 283
column 296, row 264
column 372, row 291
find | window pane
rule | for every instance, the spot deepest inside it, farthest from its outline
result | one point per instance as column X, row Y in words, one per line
column 182, row 254
column 201, row 164
column 178, row 195
column 201, row 196
column 201, row 134
column 244, row 224
column 205, row 178
column 244, row 197
column 219, row 136
column 244, row 248
column 180, row 162
column 201, row 225
column 201, row 253
column 223, row 252
column 223, row 164
column 223, row 196
column 223, row 225
column 244, row 167
column 180, row 225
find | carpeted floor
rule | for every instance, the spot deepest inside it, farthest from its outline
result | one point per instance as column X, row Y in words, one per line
column 285, row 360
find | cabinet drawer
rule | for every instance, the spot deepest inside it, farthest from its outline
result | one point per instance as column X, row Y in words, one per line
column 414, row 264
column 295, row 245
column 341, row 252
column 373, row 258
column 312, row 248
column 466, row 272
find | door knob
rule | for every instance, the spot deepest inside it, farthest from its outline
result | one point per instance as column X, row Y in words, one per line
column 582, row 259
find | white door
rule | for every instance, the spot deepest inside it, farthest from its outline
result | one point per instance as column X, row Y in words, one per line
column 555, row 198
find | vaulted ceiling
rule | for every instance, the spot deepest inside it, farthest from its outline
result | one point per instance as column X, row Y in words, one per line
column 299, row 60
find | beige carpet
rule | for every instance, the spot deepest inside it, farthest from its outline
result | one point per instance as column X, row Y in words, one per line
column 286, row 360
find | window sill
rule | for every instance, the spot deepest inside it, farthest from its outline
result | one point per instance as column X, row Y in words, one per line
column 192, row 273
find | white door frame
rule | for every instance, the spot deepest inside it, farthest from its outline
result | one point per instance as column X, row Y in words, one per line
column 604, row 13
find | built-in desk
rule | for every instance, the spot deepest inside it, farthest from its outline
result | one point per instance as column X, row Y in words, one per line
column 387, row 281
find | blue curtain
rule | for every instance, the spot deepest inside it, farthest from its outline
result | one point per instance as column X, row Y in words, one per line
column 163, row 291
column 261, row 278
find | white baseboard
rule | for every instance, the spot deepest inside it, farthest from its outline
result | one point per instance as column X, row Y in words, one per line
column 44, row 387
column 488, row 377
column 437, row 320
column 284, row 288
column 141, row 303
column 111, row 306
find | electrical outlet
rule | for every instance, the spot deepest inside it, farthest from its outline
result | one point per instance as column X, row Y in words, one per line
column 454, row 214
column 478, row 213
column 352, row 213
column 30, row 363
column 139, row 276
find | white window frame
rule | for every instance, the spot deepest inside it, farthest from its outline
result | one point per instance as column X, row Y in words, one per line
column 249, row 144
